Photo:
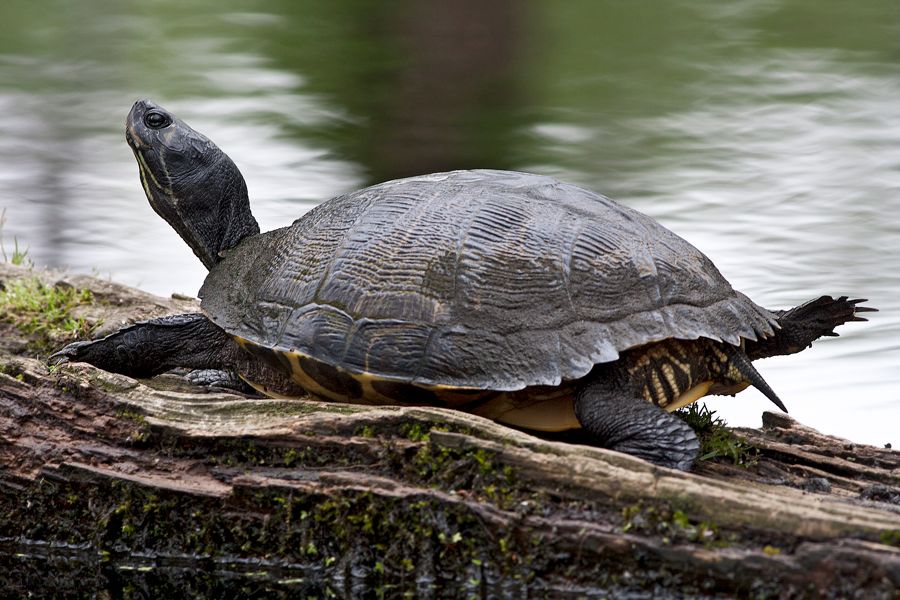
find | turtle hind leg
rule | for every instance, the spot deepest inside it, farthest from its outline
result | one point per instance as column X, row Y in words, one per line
column 804, row 324
column 155, row 346
column 221, row 378
column 622, row 420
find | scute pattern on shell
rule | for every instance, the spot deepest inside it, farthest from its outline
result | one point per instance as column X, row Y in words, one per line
column 484, row 279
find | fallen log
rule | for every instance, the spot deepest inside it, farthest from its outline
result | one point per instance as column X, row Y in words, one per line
column 110, row 484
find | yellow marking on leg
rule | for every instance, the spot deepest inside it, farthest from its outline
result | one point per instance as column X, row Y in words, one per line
column 659, row 392
column 692, row 395
column 723, row 358
column 669, row 373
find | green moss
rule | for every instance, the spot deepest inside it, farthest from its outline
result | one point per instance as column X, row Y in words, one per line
column 110, row 382
column 288, row 408
column 420, row 430
column 671, row 524
column 238, row 452
column 716, row 439
column 367, row 432
column 291, row 457
column 415, row 431
column 44, row 312
column 131, row 415
column 891, row 538
column 140, row 435
column 475, row 471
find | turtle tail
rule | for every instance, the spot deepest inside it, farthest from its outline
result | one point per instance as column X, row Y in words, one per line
column 741, row 363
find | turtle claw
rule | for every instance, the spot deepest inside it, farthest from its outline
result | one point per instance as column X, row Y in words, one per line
column 858, row 309
column 824, row 314
column 861, row 308
column 70, row 353
column 830, row 313
column 220, row 378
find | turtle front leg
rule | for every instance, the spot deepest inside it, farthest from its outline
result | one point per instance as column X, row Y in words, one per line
column 191, row 340
column 620, row 419
column 155, row 346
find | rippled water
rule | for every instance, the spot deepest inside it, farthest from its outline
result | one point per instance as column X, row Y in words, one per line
column 765, row 132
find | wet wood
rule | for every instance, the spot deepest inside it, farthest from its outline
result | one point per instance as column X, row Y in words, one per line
column 158, row 484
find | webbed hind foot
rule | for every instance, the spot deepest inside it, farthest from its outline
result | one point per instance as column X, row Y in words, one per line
column 804, row 324
column 228, row 380
column 634, row 426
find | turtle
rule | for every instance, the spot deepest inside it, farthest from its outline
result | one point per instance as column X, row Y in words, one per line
column 508, row 295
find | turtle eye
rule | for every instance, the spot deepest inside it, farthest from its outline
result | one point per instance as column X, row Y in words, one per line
column 156, row 120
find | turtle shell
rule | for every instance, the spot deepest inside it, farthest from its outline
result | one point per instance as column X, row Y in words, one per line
column 491, row 280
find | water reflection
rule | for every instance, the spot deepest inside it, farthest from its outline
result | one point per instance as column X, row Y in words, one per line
column 451, row 93
column 761, row 131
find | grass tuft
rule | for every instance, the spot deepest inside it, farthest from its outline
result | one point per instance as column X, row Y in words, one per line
column 18, row 256
column 716, row 439
column 44, row 311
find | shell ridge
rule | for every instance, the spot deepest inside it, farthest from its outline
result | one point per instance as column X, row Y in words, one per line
column 460, row 245
column 361, row 206
column 568, row 247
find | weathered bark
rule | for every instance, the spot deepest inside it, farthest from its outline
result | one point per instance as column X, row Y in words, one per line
column 159, row 487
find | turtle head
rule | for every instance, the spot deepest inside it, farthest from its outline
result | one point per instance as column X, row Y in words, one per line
column 189, row 182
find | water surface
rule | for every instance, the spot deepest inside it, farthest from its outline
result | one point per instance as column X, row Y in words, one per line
column 766, row 133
